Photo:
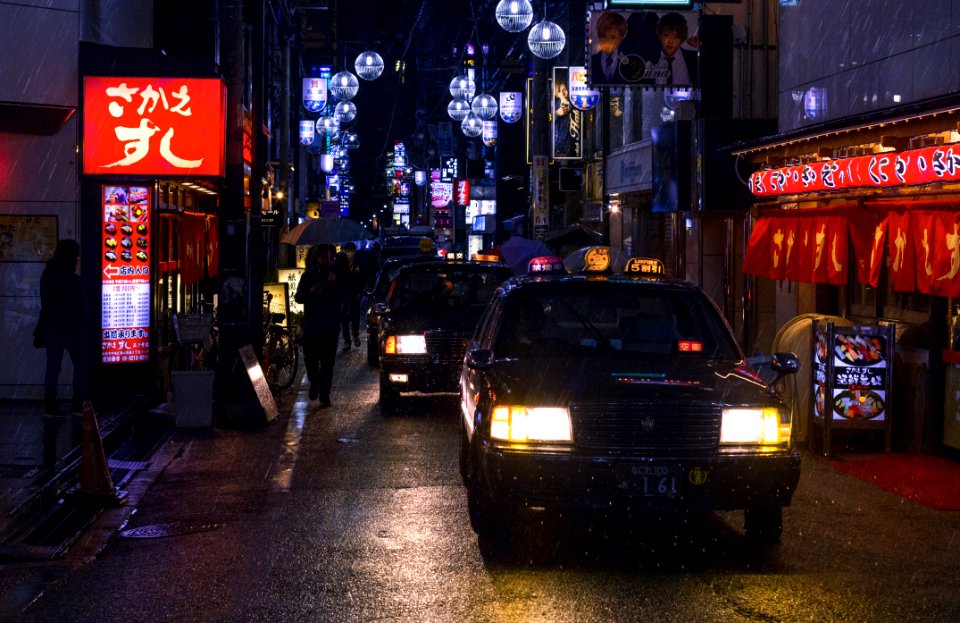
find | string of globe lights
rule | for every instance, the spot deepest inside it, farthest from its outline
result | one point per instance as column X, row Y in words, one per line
column 343, row 87
column 545, row 40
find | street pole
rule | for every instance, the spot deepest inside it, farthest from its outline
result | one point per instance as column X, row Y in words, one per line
column 540, row 148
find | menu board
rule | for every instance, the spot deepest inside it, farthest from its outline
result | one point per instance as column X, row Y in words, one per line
column 125, row 261
column 851, row 373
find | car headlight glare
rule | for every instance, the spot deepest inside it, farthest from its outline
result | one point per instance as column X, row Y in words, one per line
column 523, row 424
column 762, row 426
column 405, row 345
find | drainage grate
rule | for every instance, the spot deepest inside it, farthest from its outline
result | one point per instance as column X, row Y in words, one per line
column 162, row 530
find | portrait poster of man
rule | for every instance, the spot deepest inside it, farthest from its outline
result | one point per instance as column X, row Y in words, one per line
column 643, row 48
column 567, row 143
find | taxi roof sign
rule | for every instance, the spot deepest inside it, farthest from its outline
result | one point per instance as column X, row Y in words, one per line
column 643, row 266
column 546, row 264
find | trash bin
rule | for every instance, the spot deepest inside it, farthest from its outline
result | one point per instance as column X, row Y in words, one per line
column 193, row 398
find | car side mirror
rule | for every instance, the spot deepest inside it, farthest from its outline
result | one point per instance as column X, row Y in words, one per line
column 480, row 359
column 783, row 364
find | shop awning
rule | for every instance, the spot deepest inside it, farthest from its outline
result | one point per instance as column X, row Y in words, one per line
column 921, row 240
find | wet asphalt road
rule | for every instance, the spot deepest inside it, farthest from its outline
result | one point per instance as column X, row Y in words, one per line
column 344, row 515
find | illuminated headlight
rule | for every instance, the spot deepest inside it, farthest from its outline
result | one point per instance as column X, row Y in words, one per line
column 743, row 426
column 522, row 424
column 405, row 345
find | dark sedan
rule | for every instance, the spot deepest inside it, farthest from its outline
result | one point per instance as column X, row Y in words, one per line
column 431, row 311
column 613, row 392
column 377, row 300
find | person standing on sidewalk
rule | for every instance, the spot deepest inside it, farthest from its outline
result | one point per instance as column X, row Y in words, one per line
column 351, row 292
column 319, row 293
column 63, row 325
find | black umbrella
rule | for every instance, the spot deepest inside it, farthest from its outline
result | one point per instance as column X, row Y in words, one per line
column 326, row 231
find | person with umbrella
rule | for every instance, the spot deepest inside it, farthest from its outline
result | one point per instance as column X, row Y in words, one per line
column 319, row 291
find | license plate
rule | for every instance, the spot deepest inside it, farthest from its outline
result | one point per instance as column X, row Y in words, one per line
column 648, row 480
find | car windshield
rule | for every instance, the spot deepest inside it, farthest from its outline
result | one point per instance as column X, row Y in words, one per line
column 600, row 319
column 445, row 289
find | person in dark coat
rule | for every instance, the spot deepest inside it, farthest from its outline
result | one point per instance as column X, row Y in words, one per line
column 319, row 291
column 63, row 325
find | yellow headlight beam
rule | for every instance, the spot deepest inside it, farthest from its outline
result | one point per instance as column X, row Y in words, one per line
column 523, row 424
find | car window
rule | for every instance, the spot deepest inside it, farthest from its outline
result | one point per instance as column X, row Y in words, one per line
column 619, row 320
column 446, row 288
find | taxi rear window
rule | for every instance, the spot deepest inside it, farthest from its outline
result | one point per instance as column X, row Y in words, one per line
column 598, row 321
column 447, row 288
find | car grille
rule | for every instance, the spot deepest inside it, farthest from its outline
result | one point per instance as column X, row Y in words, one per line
column 654, row 428
column 447, row 346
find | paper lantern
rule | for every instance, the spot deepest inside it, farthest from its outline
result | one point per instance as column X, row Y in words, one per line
column 369, row 65
column 514, row 15
column 546, row 39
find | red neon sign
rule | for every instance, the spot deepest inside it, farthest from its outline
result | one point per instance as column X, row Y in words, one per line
column 909, row 168
column 463, row 192
column 153, row 126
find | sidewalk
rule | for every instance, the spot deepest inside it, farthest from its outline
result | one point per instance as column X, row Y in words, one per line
column 40, row 455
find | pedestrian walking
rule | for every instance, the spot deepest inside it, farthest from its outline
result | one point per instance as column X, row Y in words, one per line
column 319, row 291
column 352, row 291
column 63, row 326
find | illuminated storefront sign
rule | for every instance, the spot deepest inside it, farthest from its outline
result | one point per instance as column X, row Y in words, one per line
column 441, row 193
column 125, row 262
column 490, row 132
column 463, row 192
column 307, row 132
column 909, row 168
column 314, row 94
column 449, row 169
column 153, row 126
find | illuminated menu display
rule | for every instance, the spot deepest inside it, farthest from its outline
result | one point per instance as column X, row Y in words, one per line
column 125, row 253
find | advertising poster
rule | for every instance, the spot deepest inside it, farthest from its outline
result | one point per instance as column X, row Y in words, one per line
column 643, row 48
column 291, row 277
column 125, row 263
column 490, row 132
column 511, row 106
column 153, row 126
column 314, row 94
column 860, row 369
column 582, row 97
column 566, row 121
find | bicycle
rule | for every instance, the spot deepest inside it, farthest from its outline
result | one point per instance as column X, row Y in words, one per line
column 281, row 357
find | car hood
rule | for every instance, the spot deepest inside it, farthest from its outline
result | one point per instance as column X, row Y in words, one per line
column 553, row 381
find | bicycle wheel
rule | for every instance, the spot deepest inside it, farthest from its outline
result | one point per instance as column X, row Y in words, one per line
column 283, row 361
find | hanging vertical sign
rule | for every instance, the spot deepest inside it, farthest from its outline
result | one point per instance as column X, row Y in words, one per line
column 490, row 132
column 541, row 196
column 566, row 121
column 314, row 94
column 125, row 264
column 307, row 132
column 581, row 96
column 511, row 106
column 462, row 192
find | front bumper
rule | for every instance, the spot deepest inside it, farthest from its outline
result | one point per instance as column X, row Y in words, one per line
column 425, row 373
column 718, row 482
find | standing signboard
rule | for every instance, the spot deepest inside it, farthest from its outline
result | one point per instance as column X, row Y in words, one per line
column 125, row 264
column 852, row 379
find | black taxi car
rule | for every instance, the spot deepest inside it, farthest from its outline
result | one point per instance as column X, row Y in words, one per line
column 377, row 300
column 603, row 391
column 431, row 311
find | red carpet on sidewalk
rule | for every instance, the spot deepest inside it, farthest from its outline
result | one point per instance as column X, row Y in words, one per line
column 928, row 480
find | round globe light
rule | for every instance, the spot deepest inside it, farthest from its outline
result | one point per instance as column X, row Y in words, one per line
column 546, row 39
column 328, row 126
column 462, row 86
column 351, row 141
column 484, row 106
column 344, row 85
column 472, row 125
column 514, row 15
column 369, row 65
column 345, row 111
column 458, row 109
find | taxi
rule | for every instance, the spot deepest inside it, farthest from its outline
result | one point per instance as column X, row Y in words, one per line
column 430, row 313
column 618, row 391
column 377, row 300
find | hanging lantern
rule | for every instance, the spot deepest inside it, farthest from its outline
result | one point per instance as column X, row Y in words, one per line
column 344, row 85
column 462, row 87
column 326, row 162
column 369, row 65
column 484, row 106
column 345, row 111
column 514, row 15
column 546, row 40
column 458, row 109
column 472, row 125
column 351, row 141
column 307, row 132
column 328, row 126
